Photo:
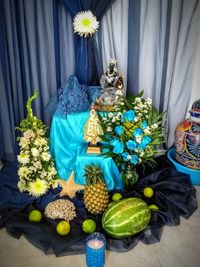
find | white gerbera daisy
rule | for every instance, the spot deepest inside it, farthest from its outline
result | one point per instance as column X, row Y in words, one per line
column 45, row 156
column 40, row 141
column 23, row 158
column 23, row 172
column 85, row 23
column 23, row 142
column 38, row 188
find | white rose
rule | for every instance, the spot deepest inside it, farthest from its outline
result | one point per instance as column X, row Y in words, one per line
column 35, row 152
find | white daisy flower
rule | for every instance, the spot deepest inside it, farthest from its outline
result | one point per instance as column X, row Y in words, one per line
column 40, row 141
column 23, row 142
column 38, row 188
column 23, row 158
column 23, row 172
column 45, row 156
column 85, row 24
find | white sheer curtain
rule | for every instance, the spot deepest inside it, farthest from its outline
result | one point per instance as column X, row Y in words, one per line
column 195, row 94
column 114, row 36
column 183, row 45
column 169, row 34
column 153, row 19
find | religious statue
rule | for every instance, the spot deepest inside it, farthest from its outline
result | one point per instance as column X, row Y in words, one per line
column 112, row 85
column 92, row 132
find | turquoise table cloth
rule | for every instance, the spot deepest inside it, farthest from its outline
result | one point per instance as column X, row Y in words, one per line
column 69, row 151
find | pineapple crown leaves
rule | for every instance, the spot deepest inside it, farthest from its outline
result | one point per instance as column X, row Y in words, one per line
column 31, row 121
column 93, row 174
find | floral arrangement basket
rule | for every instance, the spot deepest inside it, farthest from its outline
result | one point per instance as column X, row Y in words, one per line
column 133, row 135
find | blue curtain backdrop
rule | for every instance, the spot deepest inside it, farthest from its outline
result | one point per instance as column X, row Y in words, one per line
column 36, row 52
column 155, row 43
column 88, row 65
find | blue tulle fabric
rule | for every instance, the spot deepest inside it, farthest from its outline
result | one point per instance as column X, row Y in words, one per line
column 72, row 97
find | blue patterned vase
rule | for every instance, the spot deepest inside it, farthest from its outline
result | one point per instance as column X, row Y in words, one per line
column 187, row 139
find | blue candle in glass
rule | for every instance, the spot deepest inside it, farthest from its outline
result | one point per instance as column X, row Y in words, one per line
column 95, row 250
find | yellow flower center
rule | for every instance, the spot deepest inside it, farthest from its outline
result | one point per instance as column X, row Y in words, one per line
column 86, row 22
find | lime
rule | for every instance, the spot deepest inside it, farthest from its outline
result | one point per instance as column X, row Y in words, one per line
column 63, row 228
column 148, row 192
column 116, row 197
column 153, row 207
column 89, row 226
column 35, row 216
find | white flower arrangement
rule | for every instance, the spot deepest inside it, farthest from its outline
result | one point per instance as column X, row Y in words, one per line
column 85, row 24
column 36, row 168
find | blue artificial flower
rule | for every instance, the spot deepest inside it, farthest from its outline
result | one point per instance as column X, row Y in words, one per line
column 144, row 125
column 145, row 141
column 118, row 147
column 137, row 132
column 131, row 144
column 113, row 141
column 119, row 130
column 134, row 159
column 125, row 156
column 129, row 115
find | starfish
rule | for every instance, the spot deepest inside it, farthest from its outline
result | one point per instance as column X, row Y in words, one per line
column 69, row 187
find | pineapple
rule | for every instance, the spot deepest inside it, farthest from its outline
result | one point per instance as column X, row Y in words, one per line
column 96, row 196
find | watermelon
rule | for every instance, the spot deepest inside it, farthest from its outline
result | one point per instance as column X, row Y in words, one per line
column 126, row 217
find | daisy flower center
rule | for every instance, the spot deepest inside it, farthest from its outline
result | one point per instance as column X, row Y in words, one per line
column 86, row 22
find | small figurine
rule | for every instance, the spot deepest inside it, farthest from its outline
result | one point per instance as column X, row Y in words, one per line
column 92, row 132
column 111, row 76
column 112, row 86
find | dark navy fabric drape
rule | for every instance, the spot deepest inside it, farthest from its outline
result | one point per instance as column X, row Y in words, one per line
column 133, row 47
column 88, row 65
